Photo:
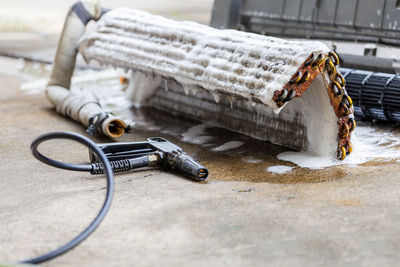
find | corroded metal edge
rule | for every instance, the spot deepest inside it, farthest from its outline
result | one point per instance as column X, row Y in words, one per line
column 325, row 64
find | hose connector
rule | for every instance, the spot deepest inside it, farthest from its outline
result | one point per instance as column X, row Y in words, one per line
column 105, row 123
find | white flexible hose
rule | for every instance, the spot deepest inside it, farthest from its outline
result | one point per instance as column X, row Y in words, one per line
column 84, row 107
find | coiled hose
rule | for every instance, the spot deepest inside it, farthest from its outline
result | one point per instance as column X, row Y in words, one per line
column 75, row 167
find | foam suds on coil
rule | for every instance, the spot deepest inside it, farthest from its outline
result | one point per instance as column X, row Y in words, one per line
column 196, row 55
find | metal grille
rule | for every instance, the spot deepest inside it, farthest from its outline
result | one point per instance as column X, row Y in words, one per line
column 375, row 95
column 362, row 20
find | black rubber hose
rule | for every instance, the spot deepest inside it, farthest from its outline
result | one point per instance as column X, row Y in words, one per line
column 75, row 167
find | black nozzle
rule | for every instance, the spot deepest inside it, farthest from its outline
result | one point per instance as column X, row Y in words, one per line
column 155, row 151
column 189, row 167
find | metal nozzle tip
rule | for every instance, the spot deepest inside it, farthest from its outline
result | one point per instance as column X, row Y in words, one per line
column 202, row 174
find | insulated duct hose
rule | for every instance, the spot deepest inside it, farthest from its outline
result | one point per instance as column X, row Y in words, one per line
column 83, row 108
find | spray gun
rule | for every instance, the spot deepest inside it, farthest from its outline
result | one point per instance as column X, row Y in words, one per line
column 156, row 151
column 116, row 157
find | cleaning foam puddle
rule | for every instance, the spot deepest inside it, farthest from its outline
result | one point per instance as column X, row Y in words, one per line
column 228, row 146
column 197, row 135
column 369, row 142
column 279, row 169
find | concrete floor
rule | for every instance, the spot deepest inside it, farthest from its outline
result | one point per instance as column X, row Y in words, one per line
column 161, row 219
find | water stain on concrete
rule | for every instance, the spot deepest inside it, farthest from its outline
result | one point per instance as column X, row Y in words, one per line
column 247, row 162
column 349, row 202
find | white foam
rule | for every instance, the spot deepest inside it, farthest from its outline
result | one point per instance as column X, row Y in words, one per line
column 34, row 86
column 197, row 135
column 197, row 55
column 141, row 87
column 228, row 146
column 319, row 118
column 369, row 143
column 279, row 169
column 225, row 62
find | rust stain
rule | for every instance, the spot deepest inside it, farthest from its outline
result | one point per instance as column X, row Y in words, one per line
column 315, row 64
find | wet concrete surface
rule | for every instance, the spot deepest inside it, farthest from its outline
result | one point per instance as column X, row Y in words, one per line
column 242, row 216
column 249, row 160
